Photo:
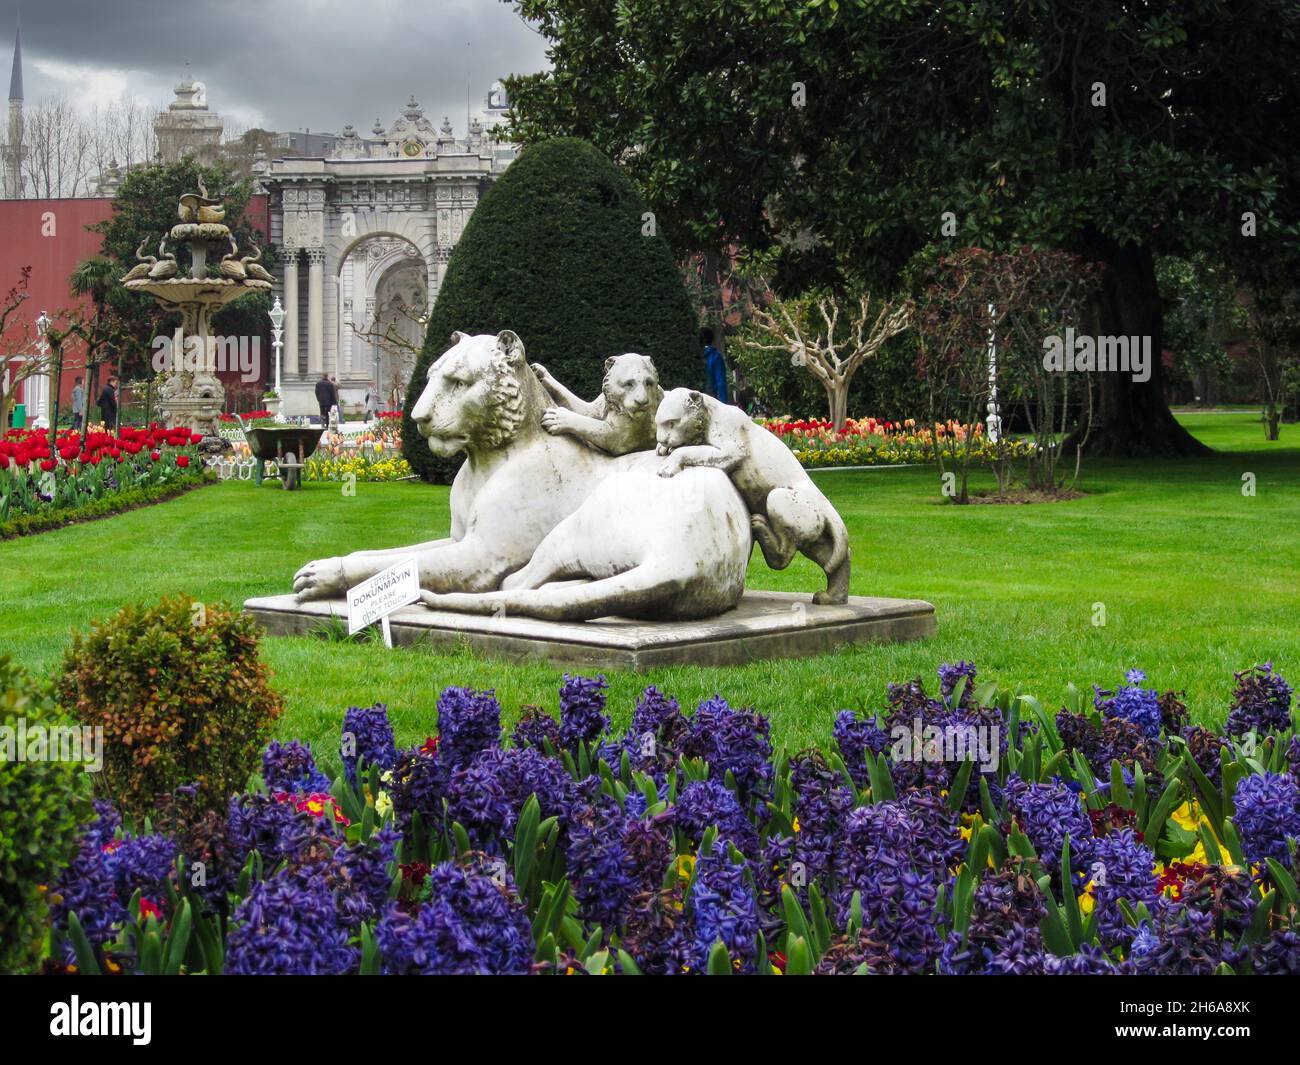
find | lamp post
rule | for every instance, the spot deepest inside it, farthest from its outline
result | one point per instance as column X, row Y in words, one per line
column 55, row 383
column 40, row 383
column 277, row 315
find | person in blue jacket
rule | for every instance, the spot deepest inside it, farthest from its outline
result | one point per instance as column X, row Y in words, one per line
column 715, row 367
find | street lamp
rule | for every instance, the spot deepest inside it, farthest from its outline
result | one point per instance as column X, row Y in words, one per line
column 42, row 328
column 55, row 382
column 277, row 316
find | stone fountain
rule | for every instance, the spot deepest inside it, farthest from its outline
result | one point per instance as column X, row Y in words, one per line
column 189, row 392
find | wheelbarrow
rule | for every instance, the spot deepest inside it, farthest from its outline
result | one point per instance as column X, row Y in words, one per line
column 288, row 445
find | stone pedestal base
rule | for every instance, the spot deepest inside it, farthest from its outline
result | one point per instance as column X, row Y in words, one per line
column 764, row 625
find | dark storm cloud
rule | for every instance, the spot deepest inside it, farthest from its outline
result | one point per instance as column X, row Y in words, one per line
column 311, row 63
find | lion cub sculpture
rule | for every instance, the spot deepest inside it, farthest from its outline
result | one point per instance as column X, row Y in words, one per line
column 788, row 512
column 621, row 419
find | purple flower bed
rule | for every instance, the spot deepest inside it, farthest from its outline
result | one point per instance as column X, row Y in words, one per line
column 968, row 832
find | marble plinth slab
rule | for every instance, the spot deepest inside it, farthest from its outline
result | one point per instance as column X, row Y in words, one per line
column 764, row 625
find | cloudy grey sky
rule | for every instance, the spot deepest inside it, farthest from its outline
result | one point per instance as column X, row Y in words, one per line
column 281, row 64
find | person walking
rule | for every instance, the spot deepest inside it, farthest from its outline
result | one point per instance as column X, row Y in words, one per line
column 372, row 402
column 108, row 404
column 78, row 405
column 324, row 398
column 715, row 366
column 337, row 413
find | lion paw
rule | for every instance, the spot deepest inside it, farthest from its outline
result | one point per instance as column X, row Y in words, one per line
column 830, row 598
column 321, row 579
column 554, row 420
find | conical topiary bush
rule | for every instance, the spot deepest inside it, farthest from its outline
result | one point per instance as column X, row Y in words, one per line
column 556, row 251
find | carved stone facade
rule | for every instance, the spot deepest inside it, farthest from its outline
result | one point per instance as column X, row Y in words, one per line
column 365, row 236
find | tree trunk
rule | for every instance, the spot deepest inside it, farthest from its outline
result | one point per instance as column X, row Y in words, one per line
column 1132, row 417
column 837, row 398
column 714, row 302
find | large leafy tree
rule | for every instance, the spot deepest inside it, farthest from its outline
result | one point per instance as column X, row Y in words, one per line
column 873, row 130
column 143, row 210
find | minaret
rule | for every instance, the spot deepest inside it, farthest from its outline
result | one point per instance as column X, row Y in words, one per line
column 14, row 151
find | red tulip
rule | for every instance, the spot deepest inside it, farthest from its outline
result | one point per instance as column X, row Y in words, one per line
column 182, row 461
column 155, row 455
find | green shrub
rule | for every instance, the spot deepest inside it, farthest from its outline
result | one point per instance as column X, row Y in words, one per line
column 42, row 805
column 555, row 252
column 181, row 694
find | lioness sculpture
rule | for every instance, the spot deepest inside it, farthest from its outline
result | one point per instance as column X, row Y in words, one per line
column 519, row 483
column 621, row 419
column 789, row 512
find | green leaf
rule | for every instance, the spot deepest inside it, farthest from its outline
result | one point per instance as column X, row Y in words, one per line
column 1055, row 937
column 1153, row 827
column 795, row 921
column 1259, row 920
column 87, row 961
column 1073, row 917
column 178, row 939
column 151, row 950
column 1212, row 851
column 525, row 845
column 991, row 813
column 461, row 837
column 798, row 958
column 886, row 779
column 719, row 960
column 369, row 952
column 1233, row 842
column 1206, row 792
column 821, row 925
column 1119, row 792
column 1285, row 881
column 996, row 845
column 960, row 784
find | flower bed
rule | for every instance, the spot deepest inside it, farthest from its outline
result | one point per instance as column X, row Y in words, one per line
column 869, row 442
column 105, row 506
column 83, row 469
column 1110, row 837
column 372, row 454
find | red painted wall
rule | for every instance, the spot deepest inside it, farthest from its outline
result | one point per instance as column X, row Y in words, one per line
column 50, row 236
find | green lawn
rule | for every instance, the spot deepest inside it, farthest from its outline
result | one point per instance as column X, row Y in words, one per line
column 1197, row 580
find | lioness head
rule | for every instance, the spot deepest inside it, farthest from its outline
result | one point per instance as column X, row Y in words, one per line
column 472, row 400
column 631, row 383
column 682, row 419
